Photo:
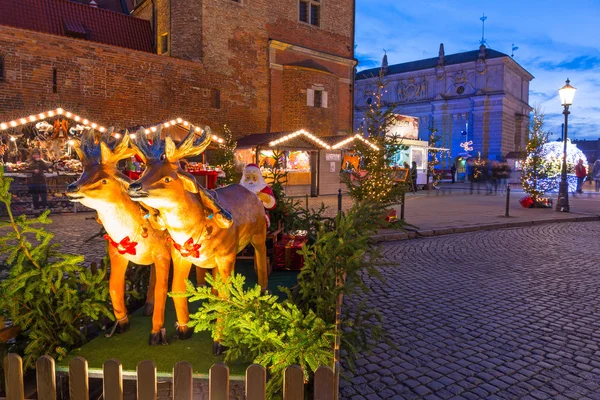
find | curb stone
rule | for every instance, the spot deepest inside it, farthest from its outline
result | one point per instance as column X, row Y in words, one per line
column 397, row 236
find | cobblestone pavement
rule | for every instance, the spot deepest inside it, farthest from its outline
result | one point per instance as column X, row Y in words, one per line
column 72, row 230
column 509, row 314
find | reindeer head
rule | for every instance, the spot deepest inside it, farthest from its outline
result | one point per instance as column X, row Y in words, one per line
column 164, row 181
column 101, row 181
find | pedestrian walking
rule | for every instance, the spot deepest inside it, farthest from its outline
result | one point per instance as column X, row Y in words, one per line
column 596, row 174
column 37, row 181
column 580, row 173
column 453, row 172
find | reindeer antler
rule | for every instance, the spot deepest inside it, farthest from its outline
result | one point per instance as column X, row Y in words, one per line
column 190, row 146
column 95, row 149
column 149, row 147
column 152, row 148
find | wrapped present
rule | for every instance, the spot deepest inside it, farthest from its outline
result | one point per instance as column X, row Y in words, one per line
column 286, row 251
column 526, row 202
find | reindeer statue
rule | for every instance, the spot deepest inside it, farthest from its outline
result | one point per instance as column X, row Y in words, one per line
column 207, row 229
column 129, row 234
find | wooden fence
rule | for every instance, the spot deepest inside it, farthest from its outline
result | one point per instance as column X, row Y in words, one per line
column 293, row 382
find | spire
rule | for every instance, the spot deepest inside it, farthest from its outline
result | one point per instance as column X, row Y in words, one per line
column 384, row 63
column 482, row 52
column 441, row 55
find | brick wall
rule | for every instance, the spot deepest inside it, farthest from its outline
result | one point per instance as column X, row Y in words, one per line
column 120, row 87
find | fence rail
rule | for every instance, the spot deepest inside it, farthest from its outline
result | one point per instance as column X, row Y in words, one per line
column 112, row 387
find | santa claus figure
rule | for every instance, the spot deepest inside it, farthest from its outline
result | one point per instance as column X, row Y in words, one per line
column 253, row 180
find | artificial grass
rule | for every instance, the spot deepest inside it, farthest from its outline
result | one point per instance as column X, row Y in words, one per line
column 132, row 346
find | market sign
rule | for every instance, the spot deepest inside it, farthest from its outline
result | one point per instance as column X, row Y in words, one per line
column 405, row 127
column 333, row 157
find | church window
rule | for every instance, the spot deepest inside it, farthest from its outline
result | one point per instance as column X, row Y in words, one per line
column 163, row 43
column 215, row 98
column 316, row 98
column 310, row 12
column 1, row 68
column 54, row 80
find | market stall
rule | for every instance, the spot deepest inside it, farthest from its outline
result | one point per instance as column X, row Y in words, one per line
column 206, row 174
column 40, row 181
column 297, row 154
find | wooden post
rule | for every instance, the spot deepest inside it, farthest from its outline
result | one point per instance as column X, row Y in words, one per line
column 256, row 382
column 218, row 382
column 78, row 379
column 13, row 375
column 46, row 378
column 146, row 381
column 183, row 381
column 112, row 386
column 293, row 383
column 324, row 383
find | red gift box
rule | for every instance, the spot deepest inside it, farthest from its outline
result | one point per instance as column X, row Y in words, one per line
column 286, row 251
column 526, row 202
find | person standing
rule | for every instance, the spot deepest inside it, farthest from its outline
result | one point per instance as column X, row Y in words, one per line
column 580, row 173
column 596, row 174
column 37, row 181
column 413, row 176
column 453, row 172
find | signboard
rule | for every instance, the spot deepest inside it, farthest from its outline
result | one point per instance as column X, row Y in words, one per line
column 333, row 157
column 401, row 174
column 405, row 127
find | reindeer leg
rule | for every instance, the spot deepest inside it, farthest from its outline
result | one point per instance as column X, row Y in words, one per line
column 181, row 272
column 260, row 259
column 226, row 266
column 149, row 306
column 158, row 335
column 200, row 276
column 118, row 267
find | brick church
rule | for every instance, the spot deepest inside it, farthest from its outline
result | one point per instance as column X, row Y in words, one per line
column 258, row 66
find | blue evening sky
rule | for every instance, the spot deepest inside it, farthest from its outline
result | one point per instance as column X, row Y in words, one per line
column 556, row 40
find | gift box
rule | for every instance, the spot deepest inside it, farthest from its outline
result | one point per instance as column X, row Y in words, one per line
column 526, row 202
column 286, row 251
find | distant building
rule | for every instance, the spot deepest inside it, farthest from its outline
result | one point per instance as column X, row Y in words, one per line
column 480, row 96
column 591, row 149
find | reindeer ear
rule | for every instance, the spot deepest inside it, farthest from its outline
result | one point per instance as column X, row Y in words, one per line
column 80, row 153
column 189, row 183
column 105, row 153
column 170, row 149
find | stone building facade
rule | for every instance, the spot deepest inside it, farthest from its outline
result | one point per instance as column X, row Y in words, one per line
column 257, row 66
column 483, row 93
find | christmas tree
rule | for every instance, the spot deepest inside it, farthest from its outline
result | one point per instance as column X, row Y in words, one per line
column 537, row 175
column 376, row 180
column 50, row 295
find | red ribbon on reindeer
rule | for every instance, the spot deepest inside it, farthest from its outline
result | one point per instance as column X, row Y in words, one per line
column 189, row 248
column 125, row 246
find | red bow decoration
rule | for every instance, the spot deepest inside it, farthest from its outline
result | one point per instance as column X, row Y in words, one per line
column 189, row 248
column 125, row 246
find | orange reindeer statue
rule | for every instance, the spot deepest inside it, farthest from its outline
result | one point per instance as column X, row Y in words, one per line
column 207, row 228
column 130, row 235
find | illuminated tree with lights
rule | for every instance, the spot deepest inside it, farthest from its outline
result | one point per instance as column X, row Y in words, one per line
column 537, row 168
column 433, row 156
column 224, row 156
column 376, row 180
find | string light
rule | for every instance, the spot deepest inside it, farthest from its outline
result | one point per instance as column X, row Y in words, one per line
column 49, row 114
column 296, row 134
column 180, row 121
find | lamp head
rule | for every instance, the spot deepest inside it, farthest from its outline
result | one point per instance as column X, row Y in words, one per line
column 567, row 93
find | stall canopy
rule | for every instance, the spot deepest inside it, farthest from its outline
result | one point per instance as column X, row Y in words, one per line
column 297, row 140
column 56, row 113
column 178, row 128
column 346, row 142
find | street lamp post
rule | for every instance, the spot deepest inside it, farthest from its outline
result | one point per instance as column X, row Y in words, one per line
column 567, row 93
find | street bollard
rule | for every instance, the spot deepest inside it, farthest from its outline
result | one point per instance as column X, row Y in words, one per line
column 506, row 214
column 402, row 205
column 339, row 201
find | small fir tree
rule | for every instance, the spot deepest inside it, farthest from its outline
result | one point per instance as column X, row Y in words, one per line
column 376, row 180
column 225, row 156
column 537, row 169
column 50, row 295
column 433, row 156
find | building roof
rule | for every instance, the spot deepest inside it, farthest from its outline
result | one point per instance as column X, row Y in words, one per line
column 451, row 59
column 67, row 18
column 120, row 6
